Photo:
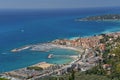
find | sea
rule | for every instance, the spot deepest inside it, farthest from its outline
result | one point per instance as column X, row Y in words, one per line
column 25, row 27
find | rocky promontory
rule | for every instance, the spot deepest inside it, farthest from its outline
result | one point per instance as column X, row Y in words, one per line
column 107, row 17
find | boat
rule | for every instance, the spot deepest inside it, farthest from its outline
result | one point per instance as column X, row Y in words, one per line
column 50, row 56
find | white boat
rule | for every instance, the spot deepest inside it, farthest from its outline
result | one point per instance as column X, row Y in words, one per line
column 50, row 55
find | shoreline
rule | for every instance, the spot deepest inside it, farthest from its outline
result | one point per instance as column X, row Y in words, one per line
column 80, row 50
column 39, row 47
column 86, row 48
column 59, row 46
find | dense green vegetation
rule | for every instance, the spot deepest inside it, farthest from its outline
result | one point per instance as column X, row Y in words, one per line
column 111, row 57
column 3, row 79
column 77, row 76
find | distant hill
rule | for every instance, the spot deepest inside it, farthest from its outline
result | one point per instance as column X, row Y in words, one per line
column 106, row 17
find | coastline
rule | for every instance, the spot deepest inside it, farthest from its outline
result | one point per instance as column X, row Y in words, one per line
column 43, row 47
column 85, row 49
column 44, row 30
column 51, row 45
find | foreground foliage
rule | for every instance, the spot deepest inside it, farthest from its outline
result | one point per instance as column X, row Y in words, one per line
column 3, row 79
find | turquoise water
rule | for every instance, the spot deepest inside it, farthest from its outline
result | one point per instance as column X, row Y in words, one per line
column 62, row 53
column 24, row 27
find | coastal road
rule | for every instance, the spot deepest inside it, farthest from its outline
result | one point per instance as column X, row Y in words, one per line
column 47, row 74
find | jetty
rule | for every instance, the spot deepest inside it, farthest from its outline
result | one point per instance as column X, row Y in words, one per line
column 20, row 49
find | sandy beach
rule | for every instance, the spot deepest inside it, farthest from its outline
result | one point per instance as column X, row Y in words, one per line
column 43, row 65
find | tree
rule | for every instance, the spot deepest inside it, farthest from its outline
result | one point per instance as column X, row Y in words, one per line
column 72, row 76
column 3, row 79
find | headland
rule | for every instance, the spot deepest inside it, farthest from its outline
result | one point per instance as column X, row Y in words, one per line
column 107, row 17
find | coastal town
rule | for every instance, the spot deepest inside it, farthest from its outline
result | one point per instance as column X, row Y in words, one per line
column 90, row 50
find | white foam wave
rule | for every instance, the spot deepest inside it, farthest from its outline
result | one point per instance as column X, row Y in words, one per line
column 72, row 38
column 4, row 53
column 111, row 30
